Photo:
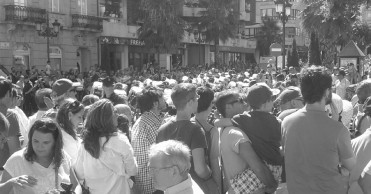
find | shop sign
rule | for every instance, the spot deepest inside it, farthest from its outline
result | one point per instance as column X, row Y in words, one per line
column 136, row 42
column 4, row 45
column 122, row 41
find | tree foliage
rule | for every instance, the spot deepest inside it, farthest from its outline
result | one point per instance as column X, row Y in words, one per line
column 268, row 34
column 163, row 26
column 335, row 22
column 220, row 21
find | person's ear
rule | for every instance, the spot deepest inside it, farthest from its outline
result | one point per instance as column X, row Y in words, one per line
column 175, row 171
column 155, row 104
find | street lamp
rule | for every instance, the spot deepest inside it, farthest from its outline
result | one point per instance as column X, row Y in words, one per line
column 283, row 9
column 48, row 31
column 199, row 37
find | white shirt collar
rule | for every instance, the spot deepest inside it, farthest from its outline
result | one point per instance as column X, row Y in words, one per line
column 180, row 187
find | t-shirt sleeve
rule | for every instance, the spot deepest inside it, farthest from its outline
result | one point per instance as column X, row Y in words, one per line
column 344, row 144
column 14, row 129
column 235, row 138
column 198, row 138
column 14, row 164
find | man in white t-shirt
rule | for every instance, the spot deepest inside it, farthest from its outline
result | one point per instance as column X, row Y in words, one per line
column 341, row 84
column 236, row 149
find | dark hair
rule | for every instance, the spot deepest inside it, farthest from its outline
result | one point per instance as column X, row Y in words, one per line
column 89, row 99
column 5, row 87
column 206, row 97
column 182, row 93
column 46, row 125
column 98, row 124
column 314, row 84
column 39, row 97
column 222, row 98
column 147, row 98
column 123, row 125
column 63, row 119
column 363, row 91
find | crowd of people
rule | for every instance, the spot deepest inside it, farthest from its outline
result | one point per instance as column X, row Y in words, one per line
column 201, row 130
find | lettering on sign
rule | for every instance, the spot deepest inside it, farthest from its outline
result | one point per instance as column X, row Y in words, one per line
column 136, row 42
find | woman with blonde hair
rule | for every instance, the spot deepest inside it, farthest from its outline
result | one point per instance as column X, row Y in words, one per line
column 105, row 159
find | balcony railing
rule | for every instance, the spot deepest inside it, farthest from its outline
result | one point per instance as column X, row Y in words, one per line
column 87, row 22
column 24, row 14
column 276, row 17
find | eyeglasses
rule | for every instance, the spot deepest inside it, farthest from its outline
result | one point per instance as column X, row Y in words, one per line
column 153, row 169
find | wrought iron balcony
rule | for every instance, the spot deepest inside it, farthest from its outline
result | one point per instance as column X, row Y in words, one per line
column 87, row 22
column 24, row 14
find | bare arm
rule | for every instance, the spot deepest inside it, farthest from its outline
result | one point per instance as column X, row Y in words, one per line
column 349, row 163
column 8, row 182
column 201, row 168
column 260, row 169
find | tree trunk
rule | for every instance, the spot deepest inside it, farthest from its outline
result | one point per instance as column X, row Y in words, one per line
column 217, row 57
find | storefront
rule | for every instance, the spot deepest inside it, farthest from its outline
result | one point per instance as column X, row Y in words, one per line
column 233, row 55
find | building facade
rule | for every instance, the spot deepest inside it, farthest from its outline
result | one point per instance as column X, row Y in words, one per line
column 75, row 46
column 293, row 29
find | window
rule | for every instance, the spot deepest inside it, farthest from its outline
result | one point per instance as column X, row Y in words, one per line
column 83, row 7
column 369, row 14
column 20, row 2
column 250, row 32
column 263, row 12
column 291, row 31
column 247, row 7
column 268, row 13
column 54, row 5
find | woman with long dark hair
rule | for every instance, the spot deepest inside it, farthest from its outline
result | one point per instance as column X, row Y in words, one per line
column 105, row 159
column 69, row 117
column 41, row 166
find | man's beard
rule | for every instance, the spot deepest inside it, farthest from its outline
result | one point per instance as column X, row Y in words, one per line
column 328, row 99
